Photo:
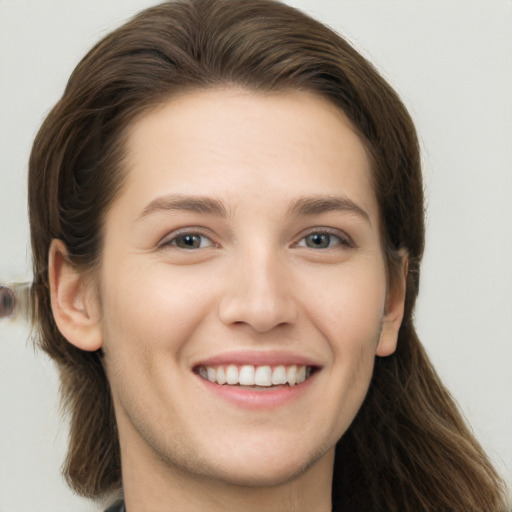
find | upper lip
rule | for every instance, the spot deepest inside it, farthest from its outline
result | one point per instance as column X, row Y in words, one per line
column 258, row 358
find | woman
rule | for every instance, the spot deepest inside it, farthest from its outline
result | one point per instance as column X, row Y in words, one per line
column 227, row 226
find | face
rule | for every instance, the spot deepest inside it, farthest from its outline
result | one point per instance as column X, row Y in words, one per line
column 242, row 287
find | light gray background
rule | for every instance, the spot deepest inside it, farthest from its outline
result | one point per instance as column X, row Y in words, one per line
column 452, row 64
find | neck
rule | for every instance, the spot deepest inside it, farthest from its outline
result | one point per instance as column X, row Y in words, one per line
column 169, row 489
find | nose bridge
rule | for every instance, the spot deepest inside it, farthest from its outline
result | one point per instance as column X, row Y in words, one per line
column 258, row 291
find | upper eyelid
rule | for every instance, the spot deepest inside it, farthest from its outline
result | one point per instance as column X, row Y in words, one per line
column 342, row 235
column 193, row 230
column 205, row 232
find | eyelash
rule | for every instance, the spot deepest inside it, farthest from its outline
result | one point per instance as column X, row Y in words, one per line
column 342, row 240
column 184, row 234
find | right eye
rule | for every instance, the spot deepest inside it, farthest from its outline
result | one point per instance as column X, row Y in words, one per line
column 188, row 241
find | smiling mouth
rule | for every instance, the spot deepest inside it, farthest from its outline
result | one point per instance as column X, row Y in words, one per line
column 263, row 376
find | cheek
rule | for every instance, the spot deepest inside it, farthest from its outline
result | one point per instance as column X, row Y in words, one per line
column 152, row 299
column 151, row 312
column 352, row 315
column 348, row 305
column 148, row 317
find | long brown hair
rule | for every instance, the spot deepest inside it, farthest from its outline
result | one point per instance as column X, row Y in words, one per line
column 408, row 448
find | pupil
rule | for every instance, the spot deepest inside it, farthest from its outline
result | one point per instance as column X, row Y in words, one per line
column 319, row 240
column 190, row 240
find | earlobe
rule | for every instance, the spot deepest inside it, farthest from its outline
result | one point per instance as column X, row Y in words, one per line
column 74, row 305
column 394, row 312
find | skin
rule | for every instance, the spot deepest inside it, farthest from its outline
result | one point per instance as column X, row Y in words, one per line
column 257, row 283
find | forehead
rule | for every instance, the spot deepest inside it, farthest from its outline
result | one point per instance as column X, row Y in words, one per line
column 230, row 142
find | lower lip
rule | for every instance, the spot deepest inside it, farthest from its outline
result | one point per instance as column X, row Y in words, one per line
column 267, row 398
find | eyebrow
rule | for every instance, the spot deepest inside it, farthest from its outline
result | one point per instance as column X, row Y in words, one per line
column 309, row 205
column 316, row 205
column 177, row 202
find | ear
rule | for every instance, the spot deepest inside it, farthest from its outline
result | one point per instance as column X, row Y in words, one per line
column 74, row 303
column 394, row 311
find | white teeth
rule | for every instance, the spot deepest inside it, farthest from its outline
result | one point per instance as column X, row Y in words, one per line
column 263, row 376
column 291, row 375
column 279, row 375
column 232, row 374
column 211, row 374
column 250, row 375
column 221, row 376
column 301, row 374
column 246, row 375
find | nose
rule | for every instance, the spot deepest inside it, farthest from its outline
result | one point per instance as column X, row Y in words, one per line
column 259, row 293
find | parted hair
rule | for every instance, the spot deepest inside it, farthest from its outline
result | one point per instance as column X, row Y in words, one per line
column 408, row 449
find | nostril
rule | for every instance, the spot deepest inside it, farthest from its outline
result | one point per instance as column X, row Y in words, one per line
column 258, row 313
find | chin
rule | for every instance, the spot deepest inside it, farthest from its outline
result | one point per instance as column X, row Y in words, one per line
column 268, row 477
column 268, row 471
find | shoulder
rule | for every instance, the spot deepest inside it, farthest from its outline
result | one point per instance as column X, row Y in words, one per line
column 118, row 506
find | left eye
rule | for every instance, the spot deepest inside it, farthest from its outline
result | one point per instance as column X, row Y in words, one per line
column 321, row 240
column 190, row 241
